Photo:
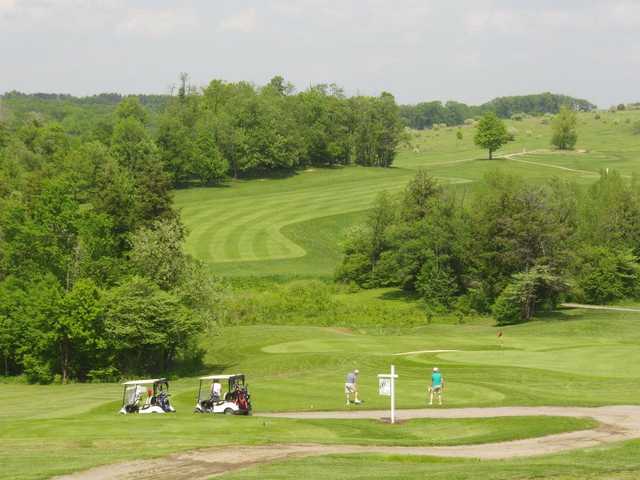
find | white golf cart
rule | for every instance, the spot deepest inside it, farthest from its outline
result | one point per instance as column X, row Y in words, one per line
column 155, row 390
column 236, row 401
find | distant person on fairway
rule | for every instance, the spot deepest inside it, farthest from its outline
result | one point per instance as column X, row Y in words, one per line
column 351, row 386
column 437, row 385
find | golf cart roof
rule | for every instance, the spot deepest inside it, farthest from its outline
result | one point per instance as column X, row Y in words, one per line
column 221, row 377
column 145, row 382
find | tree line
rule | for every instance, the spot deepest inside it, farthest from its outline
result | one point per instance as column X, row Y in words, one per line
column 238, row 129
column 427, row 114
column 204, row 135
column 509, row 248
column 94, row 283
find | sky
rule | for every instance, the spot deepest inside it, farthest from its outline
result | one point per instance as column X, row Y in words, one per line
column 464, row 50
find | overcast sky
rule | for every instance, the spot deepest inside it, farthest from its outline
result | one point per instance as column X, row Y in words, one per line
column 466, row 50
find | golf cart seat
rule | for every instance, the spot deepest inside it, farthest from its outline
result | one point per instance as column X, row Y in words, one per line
column 157, row 402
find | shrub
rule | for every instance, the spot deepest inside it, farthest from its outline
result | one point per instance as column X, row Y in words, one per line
column 518, row 117
column 518, row 301
column 478, row 299
column 597, row 116
column 507, row 309
column 37, row 371
column 564, row 129
column 604, row 275
column 436, row 284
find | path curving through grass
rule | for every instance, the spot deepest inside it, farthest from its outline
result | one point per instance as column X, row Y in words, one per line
column 616, row 423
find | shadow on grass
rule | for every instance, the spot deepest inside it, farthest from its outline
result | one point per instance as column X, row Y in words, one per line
column 200, row 369
column 400, row 295
column 561, row 314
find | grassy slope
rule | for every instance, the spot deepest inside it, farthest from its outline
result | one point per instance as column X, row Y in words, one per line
column 578, row 358
column 292, row 226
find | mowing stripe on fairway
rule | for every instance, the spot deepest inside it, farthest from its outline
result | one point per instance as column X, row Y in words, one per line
column 424, row 351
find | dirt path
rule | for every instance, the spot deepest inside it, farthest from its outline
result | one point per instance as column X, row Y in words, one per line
column 617, row 423
column 512, row 156
column 599, row 307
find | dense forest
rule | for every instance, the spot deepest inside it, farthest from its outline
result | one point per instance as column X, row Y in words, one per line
column 94, row 282
column 516, row 248
column 427, row 114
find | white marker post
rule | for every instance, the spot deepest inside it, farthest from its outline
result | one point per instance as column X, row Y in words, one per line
column 387, row 387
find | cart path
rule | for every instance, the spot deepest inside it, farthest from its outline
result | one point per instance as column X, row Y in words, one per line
column 599, row 307
column 616, row 423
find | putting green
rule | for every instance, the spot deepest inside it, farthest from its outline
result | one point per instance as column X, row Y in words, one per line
column 591, row 361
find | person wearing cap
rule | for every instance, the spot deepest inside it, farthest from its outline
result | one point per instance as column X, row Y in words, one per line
column 437, row 385
column 351, row 386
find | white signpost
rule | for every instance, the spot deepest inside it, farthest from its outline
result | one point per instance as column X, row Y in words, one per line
column 387, row 387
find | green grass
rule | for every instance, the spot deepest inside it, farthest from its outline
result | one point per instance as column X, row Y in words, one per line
column 292, row 226
column 571, row 358
column 38, row 449
column 617, row 462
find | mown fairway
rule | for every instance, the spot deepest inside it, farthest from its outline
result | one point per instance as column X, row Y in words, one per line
column 574, row 358
column 292, row 226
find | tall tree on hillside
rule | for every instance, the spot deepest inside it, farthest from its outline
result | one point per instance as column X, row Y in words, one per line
column 130, row 107
column 491, row 133
column 378, row 130
column 564, row 129
column 76, row 331
column 135, row 151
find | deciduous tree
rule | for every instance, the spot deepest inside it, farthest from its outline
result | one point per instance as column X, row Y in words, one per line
column 491, row 133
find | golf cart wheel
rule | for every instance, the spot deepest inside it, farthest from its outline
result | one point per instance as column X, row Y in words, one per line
column 228, row 411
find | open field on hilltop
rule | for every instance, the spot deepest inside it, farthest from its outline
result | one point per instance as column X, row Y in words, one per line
column 575, row 358
column 292, row 226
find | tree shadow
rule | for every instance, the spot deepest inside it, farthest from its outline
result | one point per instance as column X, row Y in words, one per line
column 559, row 314
column 399, row 295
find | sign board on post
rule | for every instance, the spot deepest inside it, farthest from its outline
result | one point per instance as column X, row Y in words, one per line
column 384, row 386
column 387, row 387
